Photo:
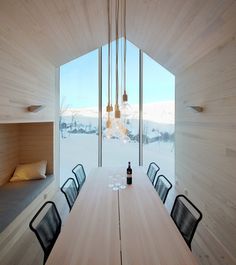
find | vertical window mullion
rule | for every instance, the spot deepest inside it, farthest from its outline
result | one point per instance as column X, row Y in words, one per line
column 140, row 108
column 100, row 107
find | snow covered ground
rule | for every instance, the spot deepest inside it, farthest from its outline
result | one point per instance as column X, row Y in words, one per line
column 80, row 141
column 83, row 148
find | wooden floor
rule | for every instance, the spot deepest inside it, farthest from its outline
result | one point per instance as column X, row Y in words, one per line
column 27, row 250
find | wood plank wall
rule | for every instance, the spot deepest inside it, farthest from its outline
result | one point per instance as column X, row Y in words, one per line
column 36, row 143
column 206, row 149
column 9, row 150
column 26, row 79
column 24, row 143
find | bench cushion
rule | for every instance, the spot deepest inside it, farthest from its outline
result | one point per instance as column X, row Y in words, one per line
column 16, row 196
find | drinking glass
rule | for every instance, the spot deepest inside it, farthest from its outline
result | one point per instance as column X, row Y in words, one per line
column 123, row 182
column 116, row 183
column 119, row 180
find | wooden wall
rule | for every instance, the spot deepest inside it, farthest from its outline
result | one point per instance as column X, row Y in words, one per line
column 24, row 143
column 206, row 149
column 36, row 143
column 26, row 79
column 9, row 150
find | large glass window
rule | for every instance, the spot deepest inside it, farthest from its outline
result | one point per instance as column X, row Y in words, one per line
column 79, row 97
column 79, row 114
column 158, row 116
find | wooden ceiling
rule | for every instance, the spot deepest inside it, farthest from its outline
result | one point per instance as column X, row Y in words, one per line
column 176, row 33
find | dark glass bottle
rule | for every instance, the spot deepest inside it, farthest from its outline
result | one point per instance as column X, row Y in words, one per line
column 129, row 174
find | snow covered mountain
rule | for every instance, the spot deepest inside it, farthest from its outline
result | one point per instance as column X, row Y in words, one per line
column 159, row 112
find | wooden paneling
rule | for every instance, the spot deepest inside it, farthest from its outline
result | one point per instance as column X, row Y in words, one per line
column 208, row 249
column 175, row 33
column 26, row 79
column 24, row 143
column 195, row 36
column 36, row 143
column 60, row 30
column 206, row 147
column 9, row 149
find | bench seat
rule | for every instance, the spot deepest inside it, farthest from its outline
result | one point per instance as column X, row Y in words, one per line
column 16, row 196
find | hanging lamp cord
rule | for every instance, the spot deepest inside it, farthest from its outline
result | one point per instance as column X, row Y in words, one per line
column 109, row 54
column 125, row 46
column 117, row 51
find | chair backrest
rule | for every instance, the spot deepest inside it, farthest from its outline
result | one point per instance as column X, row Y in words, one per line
column 186, row 217
column 163, row 186
column 80, row 175
column 152, row 171
column 70, row 191
column 46, row 224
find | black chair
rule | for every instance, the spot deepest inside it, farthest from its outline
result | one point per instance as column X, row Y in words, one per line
column 46, row 224
column 70, row 191
column 80, row 175
column 152, row 171
column 163, row 186
column 186, row 217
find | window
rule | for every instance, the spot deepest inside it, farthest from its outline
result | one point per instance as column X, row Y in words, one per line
column 79, row 114
column 158, row 116
column 79, row 96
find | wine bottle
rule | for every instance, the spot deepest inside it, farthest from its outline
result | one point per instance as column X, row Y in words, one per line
column 129, row 174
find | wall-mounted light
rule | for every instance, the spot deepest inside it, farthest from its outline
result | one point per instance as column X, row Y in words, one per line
column 35, row 108
column 196, row 108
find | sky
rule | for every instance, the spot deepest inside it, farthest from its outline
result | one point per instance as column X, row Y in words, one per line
column 79, row 79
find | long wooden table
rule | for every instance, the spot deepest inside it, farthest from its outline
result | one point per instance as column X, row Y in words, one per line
column 125, row 227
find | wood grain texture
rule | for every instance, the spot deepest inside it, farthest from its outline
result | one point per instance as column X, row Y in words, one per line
column 36, row 143
column 148, row 234
column 176, row 34
column 91, row 232
column 26, row 77
column 205, row 147
column 182, row 35
column 59, row 30
column 130, row 227
column 9, row 150
column 25, row 143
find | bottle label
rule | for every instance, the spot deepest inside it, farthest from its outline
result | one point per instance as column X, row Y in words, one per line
column 129, row 179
